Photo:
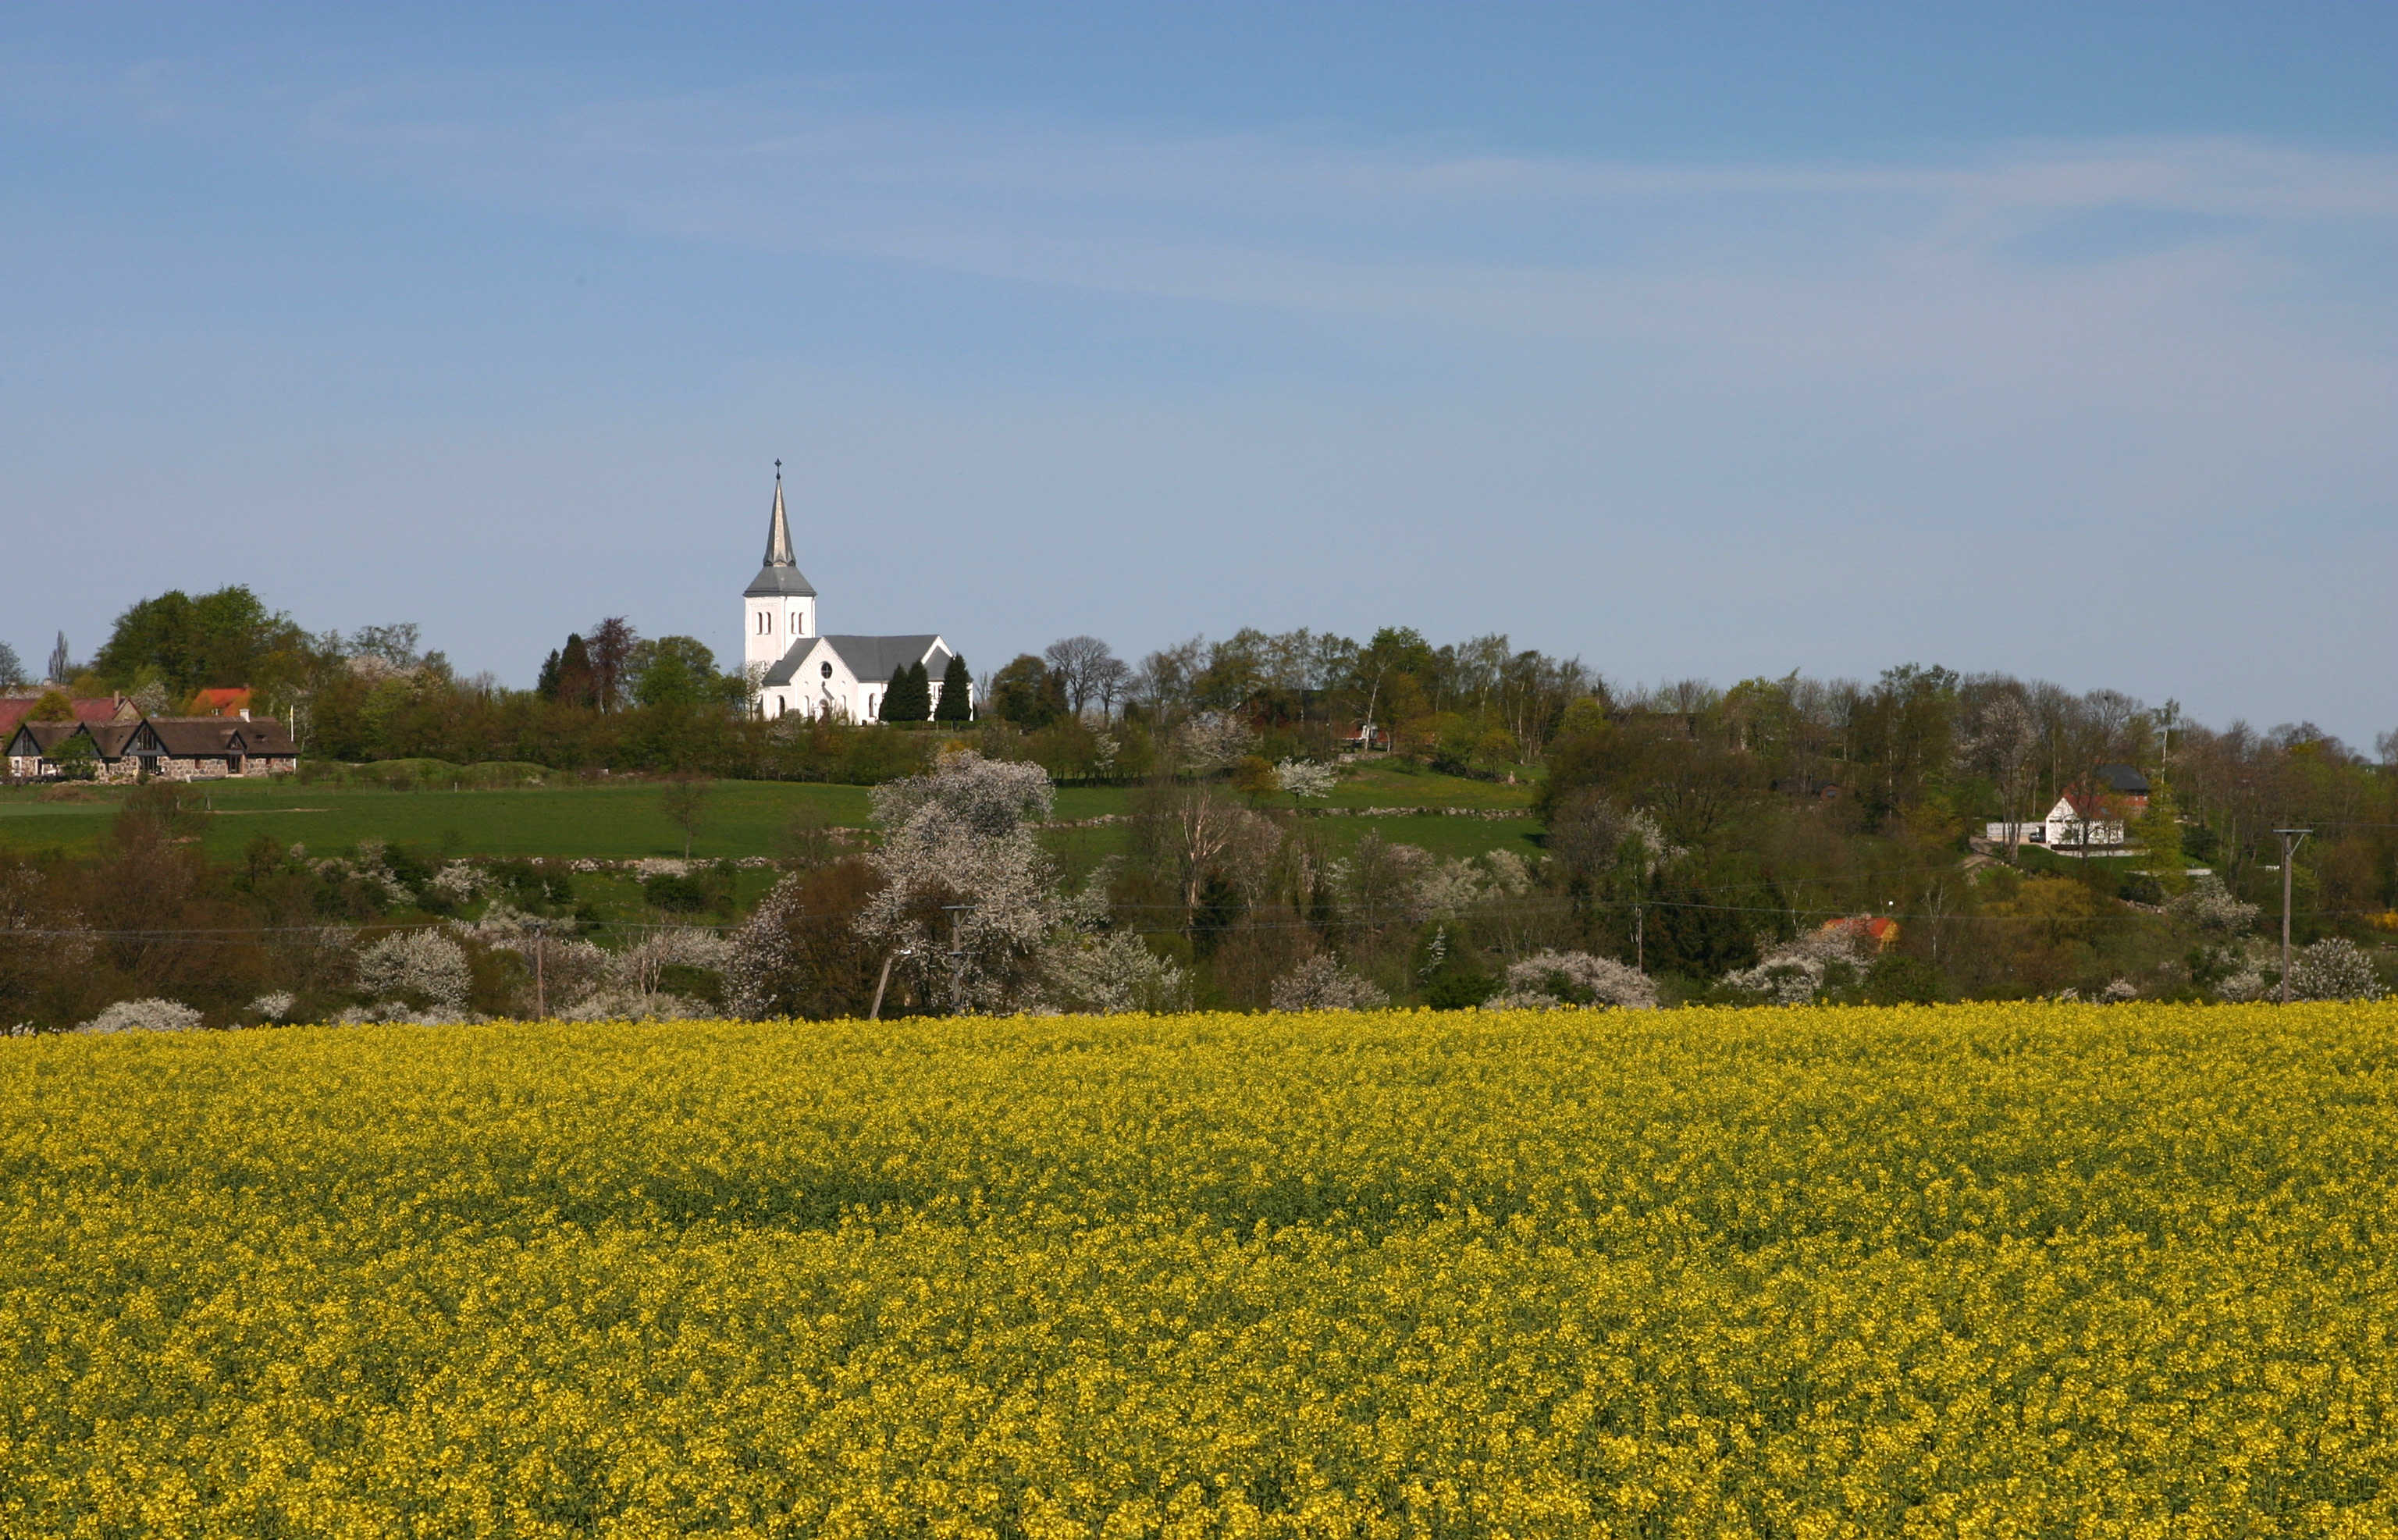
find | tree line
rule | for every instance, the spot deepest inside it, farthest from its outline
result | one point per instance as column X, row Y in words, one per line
column 1699, row 836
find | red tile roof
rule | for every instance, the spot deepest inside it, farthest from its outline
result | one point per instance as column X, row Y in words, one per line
column 228, row 701
column 14, row 708
column 102, row 709
column 1881, row 930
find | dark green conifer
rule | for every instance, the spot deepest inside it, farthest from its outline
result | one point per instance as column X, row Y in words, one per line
column 909, row 696
column 957, row 693
column 574, row 684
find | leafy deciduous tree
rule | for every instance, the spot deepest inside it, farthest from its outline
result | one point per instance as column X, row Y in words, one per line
column 1028, row 694
column 676, row 670
column 610, row 648
column 685, row 803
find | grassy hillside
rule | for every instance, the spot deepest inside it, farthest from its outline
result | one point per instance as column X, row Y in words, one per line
column 615, row 822
column 2031, row 1270
column 625, row 821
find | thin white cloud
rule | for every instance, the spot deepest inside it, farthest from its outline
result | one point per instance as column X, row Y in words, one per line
column 1290, row 219
column 1911, row 265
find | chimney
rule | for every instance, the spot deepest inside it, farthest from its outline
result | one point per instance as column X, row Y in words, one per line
column 245, row 713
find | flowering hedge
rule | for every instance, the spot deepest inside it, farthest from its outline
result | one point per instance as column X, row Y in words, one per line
column 1967, row 1270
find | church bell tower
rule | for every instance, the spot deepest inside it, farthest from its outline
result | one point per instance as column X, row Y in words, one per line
column 778, row 608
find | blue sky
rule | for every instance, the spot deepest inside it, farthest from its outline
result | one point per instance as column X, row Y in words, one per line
column 1692, row 339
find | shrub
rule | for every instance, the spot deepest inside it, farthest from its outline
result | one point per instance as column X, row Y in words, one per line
column 1801, row 971
column 2333, row 969
column 1555, row 979
column 145, row 1016
column 1111, row 972
column 1896, row 980
column 422, row 968
column 676, row 893
column 1321, row 983
column 1458, row 987
column 2211, row 907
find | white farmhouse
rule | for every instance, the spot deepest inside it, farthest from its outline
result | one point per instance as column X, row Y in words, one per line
column 2091, row 819
column 800, row 670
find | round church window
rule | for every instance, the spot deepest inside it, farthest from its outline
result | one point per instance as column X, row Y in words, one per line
column 828, row 669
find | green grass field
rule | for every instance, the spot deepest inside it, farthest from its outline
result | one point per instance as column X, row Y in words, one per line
column 625, row 821
column 607, row 822
column 1986, row 1270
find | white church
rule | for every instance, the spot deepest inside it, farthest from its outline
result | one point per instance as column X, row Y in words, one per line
column 799, row 670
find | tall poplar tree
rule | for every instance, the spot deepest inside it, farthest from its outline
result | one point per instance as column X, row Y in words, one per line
column 2159, row 834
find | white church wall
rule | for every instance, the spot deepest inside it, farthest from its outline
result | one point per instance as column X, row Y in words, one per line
column 775, row 625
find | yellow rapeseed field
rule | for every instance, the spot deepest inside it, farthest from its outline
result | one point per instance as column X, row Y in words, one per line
column 1982, row 1270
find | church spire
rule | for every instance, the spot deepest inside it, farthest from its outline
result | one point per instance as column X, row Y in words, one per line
column 781, row 575
column 778, row 534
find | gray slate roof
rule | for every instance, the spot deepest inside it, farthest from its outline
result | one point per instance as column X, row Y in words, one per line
column 872, row 659
column 781, row 574
column 780, row 580
column 40, row 738
column 206, row 737
column 182, row 737
column 2123, row 778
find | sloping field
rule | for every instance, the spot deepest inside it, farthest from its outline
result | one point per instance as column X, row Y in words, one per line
column 627, row 819
column 1975, row 1270
column 609, row 823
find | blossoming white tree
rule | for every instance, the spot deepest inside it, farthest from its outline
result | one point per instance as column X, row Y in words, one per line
column 2334, row 969
column 2213, row 908
column 1549, row 979
column 1110, row 972
column 1321, row 983
column 1211, row 740
column 1304, row 779
column 1799, row 970
column 967, row 893
column 423, row 969
column 145, row 1016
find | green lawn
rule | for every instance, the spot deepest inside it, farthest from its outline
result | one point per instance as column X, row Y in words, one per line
column 625, row 821
column 609, row 823
column 1441, row 836
column 1382, row 785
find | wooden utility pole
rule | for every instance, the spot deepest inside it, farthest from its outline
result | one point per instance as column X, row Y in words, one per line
column 885, row 982
column 957, row 962
column 2290, row 842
